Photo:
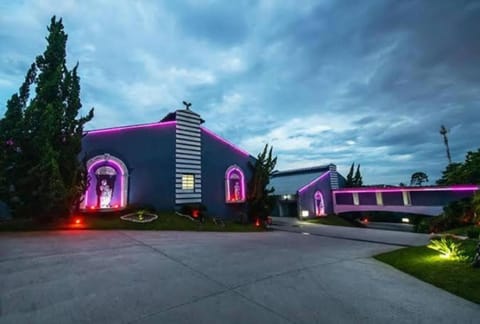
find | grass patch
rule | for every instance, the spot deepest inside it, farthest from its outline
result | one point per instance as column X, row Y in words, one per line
column 331, row 220
column 457, row 277
column 166, row 221
column 462, row 230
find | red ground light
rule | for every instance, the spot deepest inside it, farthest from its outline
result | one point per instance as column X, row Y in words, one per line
column 257, row 222
column 78, row 220
column 195, row 213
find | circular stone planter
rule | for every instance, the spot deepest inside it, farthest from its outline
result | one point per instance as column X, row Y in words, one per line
column 139, row 218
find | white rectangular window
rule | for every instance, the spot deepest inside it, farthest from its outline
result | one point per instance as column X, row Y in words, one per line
column 188, row 182
column 379, row 197
column 356, row 201
column 407, row 201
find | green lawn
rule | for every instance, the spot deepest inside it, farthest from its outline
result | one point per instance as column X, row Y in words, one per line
column 330, row 220
column 165, row 221
column 462, row 230
column 457, row 277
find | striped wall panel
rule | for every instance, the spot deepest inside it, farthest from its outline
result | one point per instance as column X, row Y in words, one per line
column 188, row 157
column 333, row 176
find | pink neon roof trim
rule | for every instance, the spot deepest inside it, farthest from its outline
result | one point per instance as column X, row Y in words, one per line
column 401, row 189
column 313, row 182
column 224, row 141
column 121, row 128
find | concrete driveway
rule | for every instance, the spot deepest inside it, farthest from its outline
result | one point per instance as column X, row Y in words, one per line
column 185, row 277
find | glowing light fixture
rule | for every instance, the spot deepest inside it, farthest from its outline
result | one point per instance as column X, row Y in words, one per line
column 304, row 213
column 405, row 220
column 78, row 220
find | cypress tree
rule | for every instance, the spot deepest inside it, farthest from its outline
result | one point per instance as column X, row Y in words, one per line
column 49, row 178
column 357, row 179
column 259, row 202
column 349, row 182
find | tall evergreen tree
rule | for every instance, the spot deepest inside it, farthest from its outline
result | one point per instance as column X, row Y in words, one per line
column 48, row 177
column 12, row 137
column 349, row 182
column 357, row 179
column 259, row 202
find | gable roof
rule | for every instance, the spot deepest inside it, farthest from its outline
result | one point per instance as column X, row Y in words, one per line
column 290, row 181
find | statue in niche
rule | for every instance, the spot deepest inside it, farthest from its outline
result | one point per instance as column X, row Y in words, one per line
column 319, row 205
column 105, row 176
column 236, row 191
column 105, row 194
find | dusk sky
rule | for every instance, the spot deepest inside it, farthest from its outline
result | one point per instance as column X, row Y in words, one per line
column 322, row 81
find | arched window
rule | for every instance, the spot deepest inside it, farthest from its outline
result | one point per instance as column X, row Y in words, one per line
column 234, row 185
column 319, row 203
column 108, row 186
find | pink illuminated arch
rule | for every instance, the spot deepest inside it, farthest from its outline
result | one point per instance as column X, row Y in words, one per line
column 115, row 179
column 319, row 203
column 234, row 185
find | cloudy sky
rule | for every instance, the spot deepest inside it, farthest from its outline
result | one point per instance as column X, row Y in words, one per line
column 322, row 81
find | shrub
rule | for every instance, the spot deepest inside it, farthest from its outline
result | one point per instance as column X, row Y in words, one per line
column 447, row 247
column 473, row 233
column 422, row 225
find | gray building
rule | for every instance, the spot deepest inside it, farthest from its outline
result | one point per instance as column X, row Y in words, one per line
column 305, row 192
column 165, row 164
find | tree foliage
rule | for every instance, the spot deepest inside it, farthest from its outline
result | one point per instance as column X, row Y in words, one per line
column 354, row 179
column 465, row 211
column 41, row 135
column 418, row 178
column 259, row 202
column 357, row 179
column 467, row 172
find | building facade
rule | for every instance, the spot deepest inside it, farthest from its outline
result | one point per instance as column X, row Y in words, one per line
column 305, row 192
column 166, row 164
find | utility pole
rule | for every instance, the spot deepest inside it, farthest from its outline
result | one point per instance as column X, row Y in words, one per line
column 443, row 132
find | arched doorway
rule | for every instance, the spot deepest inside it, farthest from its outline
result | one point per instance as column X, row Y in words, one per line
column 108, row 187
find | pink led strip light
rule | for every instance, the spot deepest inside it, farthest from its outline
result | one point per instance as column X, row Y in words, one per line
column 121, row 128
column 370, row 190
column 313, row 182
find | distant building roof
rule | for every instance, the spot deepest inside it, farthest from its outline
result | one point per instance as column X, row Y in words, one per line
column 288, row 182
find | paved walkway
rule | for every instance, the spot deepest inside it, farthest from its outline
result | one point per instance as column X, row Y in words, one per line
column 399, row 238
column 183, row 277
